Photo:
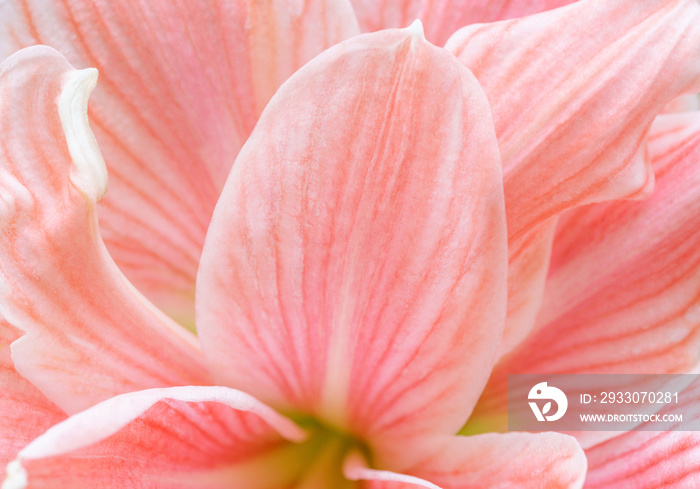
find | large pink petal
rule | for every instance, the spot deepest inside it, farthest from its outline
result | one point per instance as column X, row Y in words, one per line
column 623, row 295
column 573, row 92
column 197, row 437
column 25, row 412
column 443, row 17
column 181, row 86
column 355, row 264
column 89, row 333
column 508, row 461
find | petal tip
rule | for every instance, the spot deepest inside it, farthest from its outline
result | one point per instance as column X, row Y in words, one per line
column 416, row 30
column 16, row 476
column 89, row 173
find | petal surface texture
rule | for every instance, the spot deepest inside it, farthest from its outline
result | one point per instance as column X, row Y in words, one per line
column 355, row 265
column 179, row 437
column 623, row 295
column 571, row 108
column 89, row 333
column 648, row 459
column 181, row 86
column 443, row 17
column 634, row 265
column 509, row 461
column 26, row 412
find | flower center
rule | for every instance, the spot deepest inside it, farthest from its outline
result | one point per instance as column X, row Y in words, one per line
column 321, row 457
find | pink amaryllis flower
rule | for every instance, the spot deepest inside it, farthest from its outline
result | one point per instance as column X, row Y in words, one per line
column 351, row 293
column 309, row 297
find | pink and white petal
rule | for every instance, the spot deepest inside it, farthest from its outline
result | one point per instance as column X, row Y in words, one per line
column 443, row 17
column 651, row 459
column 572, row 106
column 510, row 460
column 89, row 333
column 170, row 119
column 284, row 35
column 355, row 468
column 646, row 460
column 203, row 437
column 355, row 265
column 623, row 294
column 26, row 412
